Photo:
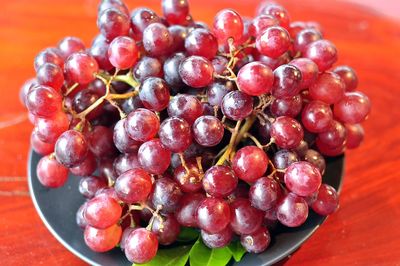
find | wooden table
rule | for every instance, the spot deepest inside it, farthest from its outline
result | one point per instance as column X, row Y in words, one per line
column 364, row 231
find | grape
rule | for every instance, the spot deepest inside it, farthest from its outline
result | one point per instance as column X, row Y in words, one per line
column 237, row 105
column 277, row 11
column 273, row 63
column 167, row 194
column 189, row 181
column 167, row 231
column 245, row 219
column 213, row 215
column 217, row 240
column 216, row 92
column 80, row 220
column 157, row 40
column 353, row 108
column 219, row 63
column 317, row 117
column 140, row 19
column 196, row 71
column 126, row 162
column 250, row 163
column 255, row 79
column 185, row 106
column 287, row 81
column 50, row 75
column 113, row 23
column 123, row 52
column 316, row 159
column 171, row 71
column 348, row 76
column 201, row 42
column 265, row 193
column 142, row 125
column 99, row 51
column 329, row 151
column 102, row 240
column 175, row 134
column 49, row 55
column 71, row 148
column 228, row 24
column 175, row 11
column 118, row 4
column 133, row 186
column 290, row 106
column 124, row 237
column 81, row 68
column 100, row 141
column 302, row 178
column 132, row 104
column 334, row 137
column 147, row 67
column 323, row 53
column 88, row 186
column 40, row 146
column 354, row 134
column 179, row 35
column 141, row 246
column 121, row 139
column 292, row 210
column 327, row 200
column 208, row 131
column 154, row 94
column 83, row 100
column 51, row 173
column 256, row 242
column 260, row 23
column 304, row 38
column 219, row 181
column 186, row 213
column 87, row 167
column 273, row 42
column 328, row 88
column 287, row 132
column 154, row 157
column 283, row 158
column 70, row 45
column 308, row 69
column 49, row 129
column 102, row 211
column 43, row 101
column 263, row 130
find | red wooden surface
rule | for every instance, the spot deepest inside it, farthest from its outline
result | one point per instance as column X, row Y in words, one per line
column 365, row 229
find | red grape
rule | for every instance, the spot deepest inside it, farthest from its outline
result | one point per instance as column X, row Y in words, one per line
column 51, row 173
column 327, row 200
column 141, row 246
column 208, row 131
column 256, row 242
column 250, row 163
column 102, row 212
column 123, row 52
column 142, row 125
column 265, row 193
column 273, row 42
column 102, row 240
column 213, row 215
column 196, row 71
column 217, row 240
column 133, row 186
column 353, row 108
column 245, row 219
column 287, row 132
column 292, row 210
column 228, row 24
column 154, row 157
column 302, row 178
column 219, row 181
column 255, row 79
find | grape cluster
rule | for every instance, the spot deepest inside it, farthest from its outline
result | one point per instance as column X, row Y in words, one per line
column 174, row 124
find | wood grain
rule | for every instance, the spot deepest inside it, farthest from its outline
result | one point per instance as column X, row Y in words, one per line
column 364, row 231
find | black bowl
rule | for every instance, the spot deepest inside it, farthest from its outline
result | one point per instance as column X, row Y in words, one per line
column 57, row 208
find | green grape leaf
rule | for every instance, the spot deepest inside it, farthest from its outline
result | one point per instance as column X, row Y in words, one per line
column 188, row 234
column 237, row 250
column 200, row 255
column 176, row 256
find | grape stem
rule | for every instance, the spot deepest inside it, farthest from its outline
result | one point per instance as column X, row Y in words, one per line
column 231, row 144
column 71, row 89
column 110, row 97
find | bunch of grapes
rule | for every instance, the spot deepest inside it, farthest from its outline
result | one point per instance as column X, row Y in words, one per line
column 171, row 123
